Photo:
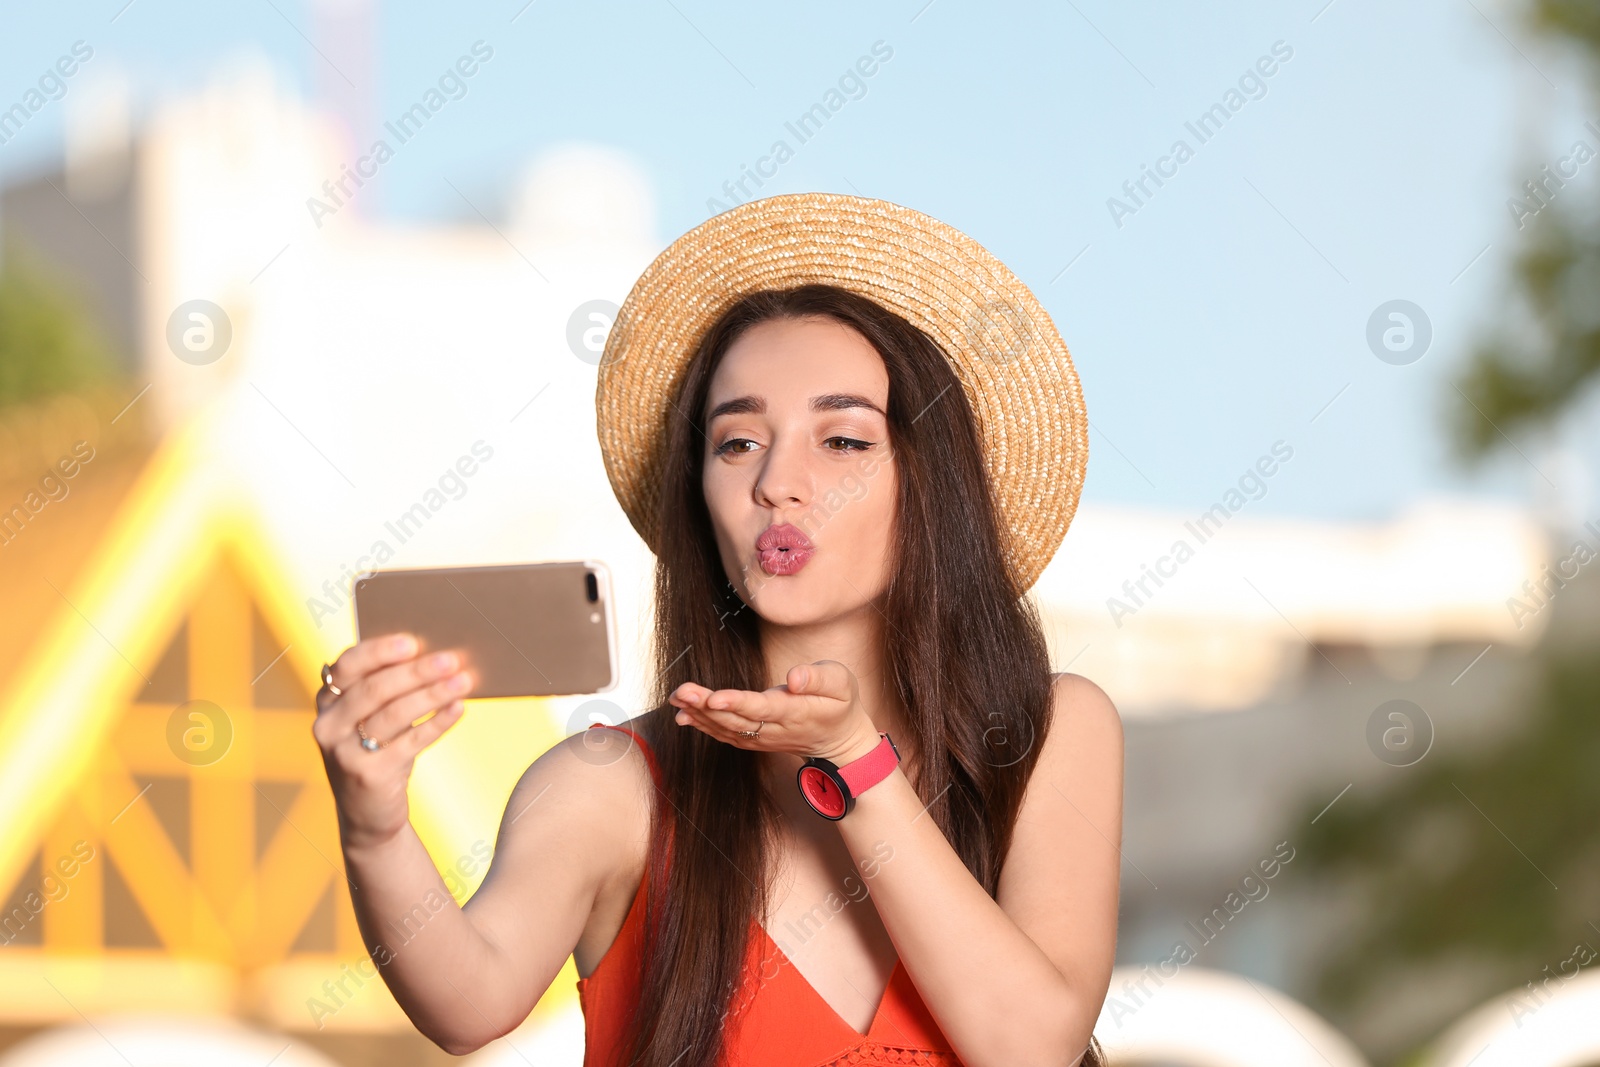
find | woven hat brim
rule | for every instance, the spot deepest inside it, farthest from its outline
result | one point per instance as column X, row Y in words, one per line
column 1003, row 346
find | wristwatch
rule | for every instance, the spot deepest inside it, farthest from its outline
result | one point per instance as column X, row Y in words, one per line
column 831, row 790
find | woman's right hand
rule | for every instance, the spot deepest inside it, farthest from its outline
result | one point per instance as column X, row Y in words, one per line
column 384, row 685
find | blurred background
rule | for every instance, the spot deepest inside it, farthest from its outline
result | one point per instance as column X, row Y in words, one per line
column 1329, row 270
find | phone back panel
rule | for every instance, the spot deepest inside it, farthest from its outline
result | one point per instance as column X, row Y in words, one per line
column 523, row 629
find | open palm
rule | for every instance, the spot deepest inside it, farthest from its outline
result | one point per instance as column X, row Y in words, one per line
column 815, row 712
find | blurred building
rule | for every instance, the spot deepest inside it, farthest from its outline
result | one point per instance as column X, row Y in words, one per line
column 1249, row 698
column 169, row 848
column 301, row 376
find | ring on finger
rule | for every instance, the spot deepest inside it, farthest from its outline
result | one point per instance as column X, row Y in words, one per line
column 327, row 680
column 753, row 733
column 371, row 744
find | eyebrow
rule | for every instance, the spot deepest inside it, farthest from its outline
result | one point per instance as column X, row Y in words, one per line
column 756, row 405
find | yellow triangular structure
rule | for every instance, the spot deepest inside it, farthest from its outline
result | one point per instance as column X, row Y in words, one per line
column 81, row 725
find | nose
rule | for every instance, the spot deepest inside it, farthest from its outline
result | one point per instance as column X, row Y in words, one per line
column 785, row 480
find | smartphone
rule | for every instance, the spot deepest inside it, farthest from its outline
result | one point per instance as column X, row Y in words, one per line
column 522, row 629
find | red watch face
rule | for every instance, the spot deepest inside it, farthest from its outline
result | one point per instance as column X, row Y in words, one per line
column 822, row 792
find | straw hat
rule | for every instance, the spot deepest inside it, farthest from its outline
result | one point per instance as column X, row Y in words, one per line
column 1013, row 365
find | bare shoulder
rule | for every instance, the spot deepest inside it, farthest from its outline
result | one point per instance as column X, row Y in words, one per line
column 1084, row 724
column 583, row 806
column 601, row 777
column 575, row 828
column 1079, row 774
column 1060, row 878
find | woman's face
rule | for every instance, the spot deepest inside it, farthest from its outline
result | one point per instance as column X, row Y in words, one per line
column 796, row 434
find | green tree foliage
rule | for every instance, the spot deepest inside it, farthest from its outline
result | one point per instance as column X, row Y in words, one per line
column 1457, row 863
column 1518, row 379
column 1463, row 855
column 48, row 341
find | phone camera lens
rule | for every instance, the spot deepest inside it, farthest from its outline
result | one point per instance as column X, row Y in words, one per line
column 591, row 586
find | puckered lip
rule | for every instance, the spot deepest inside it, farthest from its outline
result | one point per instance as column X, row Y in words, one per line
column 784, row 536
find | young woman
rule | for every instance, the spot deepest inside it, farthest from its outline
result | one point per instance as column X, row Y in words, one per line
column 863, row 822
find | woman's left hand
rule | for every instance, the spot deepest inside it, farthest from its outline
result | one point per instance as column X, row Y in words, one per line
column 816, row 712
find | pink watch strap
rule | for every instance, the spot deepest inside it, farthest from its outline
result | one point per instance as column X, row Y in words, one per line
column 864, row 772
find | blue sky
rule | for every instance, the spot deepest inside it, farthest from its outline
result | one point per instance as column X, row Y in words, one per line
column 1228, row 312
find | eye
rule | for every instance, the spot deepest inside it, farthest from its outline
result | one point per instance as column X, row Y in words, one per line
column 728, row 446
column 850, row 444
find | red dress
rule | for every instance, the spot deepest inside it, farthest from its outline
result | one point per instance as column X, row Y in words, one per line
column 785, row 1023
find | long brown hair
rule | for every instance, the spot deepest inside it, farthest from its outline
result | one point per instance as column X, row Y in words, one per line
column 967, row 655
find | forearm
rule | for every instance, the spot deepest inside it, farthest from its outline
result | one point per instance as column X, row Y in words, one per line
column 996, row 995
column 437, row 964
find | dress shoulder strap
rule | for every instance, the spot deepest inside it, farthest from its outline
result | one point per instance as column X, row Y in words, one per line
column 649, row 756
